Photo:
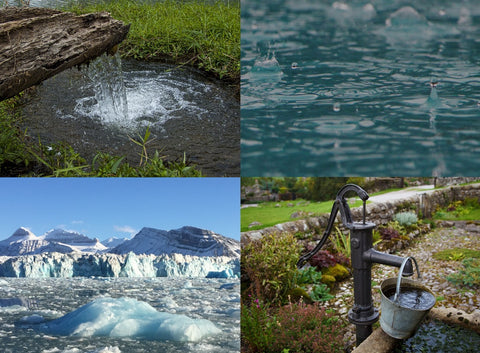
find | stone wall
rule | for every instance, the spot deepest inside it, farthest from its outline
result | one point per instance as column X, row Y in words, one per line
column 424, row 204
column 439, row 182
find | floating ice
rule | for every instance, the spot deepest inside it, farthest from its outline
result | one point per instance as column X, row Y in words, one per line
column 127, row 317
column 228, row 273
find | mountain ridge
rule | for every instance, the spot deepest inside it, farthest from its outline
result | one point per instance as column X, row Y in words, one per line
column 186, row 240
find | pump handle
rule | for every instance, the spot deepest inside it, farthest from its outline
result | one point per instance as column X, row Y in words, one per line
column 341, row 205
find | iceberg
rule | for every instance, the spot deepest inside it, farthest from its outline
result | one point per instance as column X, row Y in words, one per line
column 127, row 317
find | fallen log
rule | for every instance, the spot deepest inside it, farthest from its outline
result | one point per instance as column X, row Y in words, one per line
column 38, row 43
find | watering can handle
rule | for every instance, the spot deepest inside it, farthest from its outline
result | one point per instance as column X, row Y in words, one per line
column 399, row 280
column 341, row 205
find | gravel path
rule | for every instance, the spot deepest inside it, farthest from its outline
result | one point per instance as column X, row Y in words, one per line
column 402, row 194
column 434, row 272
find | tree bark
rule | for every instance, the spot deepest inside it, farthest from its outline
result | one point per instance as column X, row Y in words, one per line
column 38, row 43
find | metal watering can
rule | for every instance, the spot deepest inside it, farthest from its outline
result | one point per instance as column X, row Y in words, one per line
column 402, row 313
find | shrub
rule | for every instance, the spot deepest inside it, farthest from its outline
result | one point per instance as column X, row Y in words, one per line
column 306, row 328
column 270, row 267
column 296, row 328
column 256, row 326
column 406, row 218
column 322, row 259
column 389, row 233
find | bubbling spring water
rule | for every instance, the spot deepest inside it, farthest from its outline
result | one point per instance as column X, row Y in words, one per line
column 110, row 100
column 99, row 107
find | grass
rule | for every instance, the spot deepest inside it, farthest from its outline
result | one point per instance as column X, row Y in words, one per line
column 269, row 214
column 456, row 254
column 204, row 34
column 20, row 156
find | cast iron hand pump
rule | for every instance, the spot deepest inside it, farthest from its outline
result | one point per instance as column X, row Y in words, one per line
column 363, row 255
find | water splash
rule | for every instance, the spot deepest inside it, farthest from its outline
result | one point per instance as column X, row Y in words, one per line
column 109, row 103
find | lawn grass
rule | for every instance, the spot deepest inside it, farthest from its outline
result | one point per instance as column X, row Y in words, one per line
column 269, row 214
column 472, row 215
column 204, row 34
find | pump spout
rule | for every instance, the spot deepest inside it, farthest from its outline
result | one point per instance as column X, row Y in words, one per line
column 374, row 256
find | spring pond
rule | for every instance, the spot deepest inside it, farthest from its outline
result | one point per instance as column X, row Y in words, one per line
column 333, row 88
column 437, row 337
column 101, row 107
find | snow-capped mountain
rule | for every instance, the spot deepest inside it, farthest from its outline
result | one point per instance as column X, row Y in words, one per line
column 24, row 242
column 186, row 241
column 113, row 242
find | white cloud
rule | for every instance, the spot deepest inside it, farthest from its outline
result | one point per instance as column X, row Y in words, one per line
column 125, row 229
column 77, row 222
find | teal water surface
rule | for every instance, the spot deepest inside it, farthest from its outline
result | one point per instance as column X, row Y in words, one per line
column 333, row 88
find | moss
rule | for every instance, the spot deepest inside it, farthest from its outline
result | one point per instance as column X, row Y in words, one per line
column 338, row 271
column 328, row 280
column 297, row 294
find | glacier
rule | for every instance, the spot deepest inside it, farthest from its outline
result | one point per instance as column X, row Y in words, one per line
column 126, row 317
column 113, row 265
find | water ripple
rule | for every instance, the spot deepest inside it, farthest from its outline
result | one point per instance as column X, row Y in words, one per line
column 358, row 99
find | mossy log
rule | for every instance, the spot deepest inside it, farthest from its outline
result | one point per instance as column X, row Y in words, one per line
column 38, row 43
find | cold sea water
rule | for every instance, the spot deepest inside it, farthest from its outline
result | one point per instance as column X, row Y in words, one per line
column 360, row 87
column 26, row 301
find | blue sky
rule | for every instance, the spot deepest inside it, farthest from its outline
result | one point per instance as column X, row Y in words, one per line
column 120, row 207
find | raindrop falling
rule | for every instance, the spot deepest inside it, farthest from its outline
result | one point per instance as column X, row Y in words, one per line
column 294, row 66
column 336, row 107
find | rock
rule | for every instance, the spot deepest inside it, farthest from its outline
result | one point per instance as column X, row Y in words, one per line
column 278, row 205
column 254, row 224
column 295, row 214
column 289, row 204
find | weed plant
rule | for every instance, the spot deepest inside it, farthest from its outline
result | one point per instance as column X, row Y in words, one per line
column 469, row 276
column 199, row 33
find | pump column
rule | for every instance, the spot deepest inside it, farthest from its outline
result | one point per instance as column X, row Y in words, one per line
column 363, row 314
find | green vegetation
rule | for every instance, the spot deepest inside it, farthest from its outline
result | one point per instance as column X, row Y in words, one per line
column 467, row 210
column 269, row 214
column 310, row 277
column 270, row 267
column 295, row 327
column 20, row 156
column 406, row 218
column 204, row 34
column 277, row 314
column 469, row 276
column 456, row 254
